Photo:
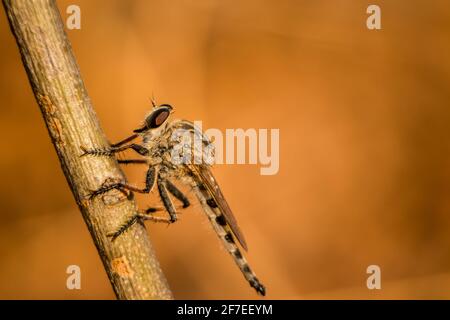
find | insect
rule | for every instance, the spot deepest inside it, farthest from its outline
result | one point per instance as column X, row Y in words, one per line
column 160, row 139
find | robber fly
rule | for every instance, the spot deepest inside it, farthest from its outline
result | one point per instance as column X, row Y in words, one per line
column 156, row 149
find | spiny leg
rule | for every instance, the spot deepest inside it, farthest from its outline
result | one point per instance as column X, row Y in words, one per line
column 149, row 182
column 145, row 216
column 123, row 228
column 162, row 188
column 177, row 193
column 111, row 151
column 148, row 215
column 132, row 161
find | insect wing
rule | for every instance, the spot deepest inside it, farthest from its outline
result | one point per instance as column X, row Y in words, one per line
column 205, row 175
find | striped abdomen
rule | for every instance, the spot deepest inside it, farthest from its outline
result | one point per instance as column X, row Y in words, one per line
column 224, row 232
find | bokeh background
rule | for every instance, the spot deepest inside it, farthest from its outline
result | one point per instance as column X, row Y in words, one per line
column 364, row 145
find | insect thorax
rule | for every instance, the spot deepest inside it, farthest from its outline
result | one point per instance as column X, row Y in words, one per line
column 171, row 150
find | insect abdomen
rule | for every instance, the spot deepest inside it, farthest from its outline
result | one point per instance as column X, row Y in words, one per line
column 242, row 262
column 224, row 232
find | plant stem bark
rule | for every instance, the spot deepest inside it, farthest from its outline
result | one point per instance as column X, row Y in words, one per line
column 55, row 78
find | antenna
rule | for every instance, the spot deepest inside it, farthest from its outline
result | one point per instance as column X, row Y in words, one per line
column 153, row 101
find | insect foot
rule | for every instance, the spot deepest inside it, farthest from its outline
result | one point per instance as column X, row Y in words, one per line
column 96, row 152
column 108, row 185
column 123, row 228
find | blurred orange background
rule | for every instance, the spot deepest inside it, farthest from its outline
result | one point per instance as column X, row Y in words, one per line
column 364, row 146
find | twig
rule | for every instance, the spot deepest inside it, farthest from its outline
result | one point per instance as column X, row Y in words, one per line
column 46, row 53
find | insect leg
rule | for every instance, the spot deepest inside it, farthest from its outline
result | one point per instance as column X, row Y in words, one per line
column 148, row 215
column 177, row 194
column 123, row 228
column 162, row 188
column 121, row 143
column 110, row 151
column 144, row 216
column 149, row 182
column 132, row 161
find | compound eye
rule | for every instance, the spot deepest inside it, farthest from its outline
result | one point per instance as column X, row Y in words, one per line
column 157, row 117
